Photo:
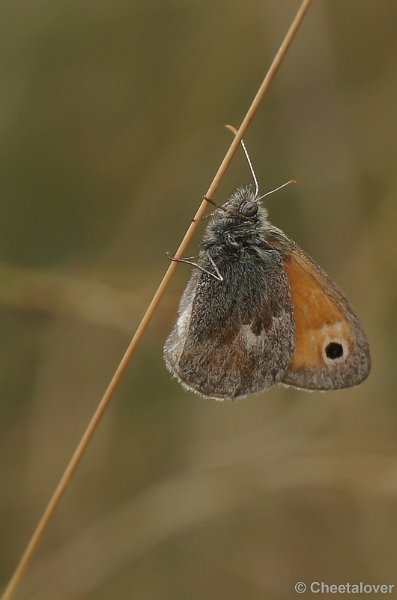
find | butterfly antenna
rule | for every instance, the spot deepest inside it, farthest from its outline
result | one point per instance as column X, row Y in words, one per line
column 291, row 181
column 251, row 168
column 234, row 130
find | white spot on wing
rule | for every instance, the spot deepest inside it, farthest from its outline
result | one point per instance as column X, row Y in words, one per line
column 250, row 339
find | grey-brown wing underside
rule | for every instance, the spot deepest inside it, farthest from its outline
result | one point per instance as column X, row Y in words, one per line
column 234, row 337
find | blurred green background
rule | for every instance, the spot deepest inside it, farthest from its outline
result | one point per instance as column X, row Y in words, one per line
column 112, row 122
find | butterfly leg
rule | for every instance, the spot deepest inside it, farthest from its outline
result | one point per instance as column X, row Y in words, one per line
column 228, row 211
column 203, row 218
column 210, row 214
column 210, row 201
column 189, row 261
column 217, row 206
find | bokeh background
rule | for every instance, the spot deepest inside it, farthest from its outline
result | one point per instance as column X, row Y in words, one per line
column 112, row 122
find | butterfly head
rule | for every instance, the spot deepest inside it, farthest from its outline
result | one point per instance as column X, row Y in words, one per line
column 242, row 207
column 239, row 222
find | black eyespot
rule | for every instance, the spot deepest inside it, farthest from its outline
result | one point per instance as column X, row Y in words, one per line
column 334, row 350
column 249, row 209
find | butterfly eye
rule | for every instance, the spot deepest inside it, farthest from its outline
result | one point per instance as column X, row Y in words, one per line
column 249, row 209
column 334, row 350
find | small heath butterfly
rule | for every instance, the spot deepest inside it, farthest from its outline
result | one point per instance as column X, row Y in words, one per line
column 259, row 311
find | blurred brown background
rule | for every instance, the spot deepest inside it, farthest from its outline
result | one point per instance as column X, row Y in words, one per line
column 112, row 125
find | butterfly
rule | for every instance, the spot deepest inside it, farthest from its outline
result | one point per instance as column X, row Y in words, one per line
column 258, row 311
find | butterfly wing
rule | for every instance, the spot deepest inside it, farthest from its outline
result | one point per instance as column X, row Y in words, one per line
column 331, row 350
column 234, row 337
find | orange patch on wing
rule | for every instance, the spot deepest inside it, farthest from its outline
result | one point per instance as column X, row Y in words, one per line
column 319, row 319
